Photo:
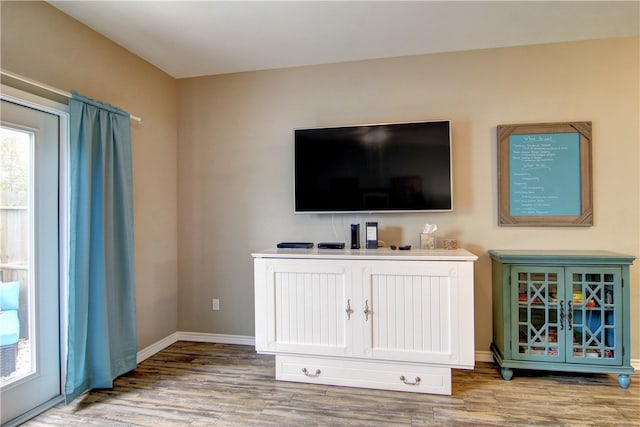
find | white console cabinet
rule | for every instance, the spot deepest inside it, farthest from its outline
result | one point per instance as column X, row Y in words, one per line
column 395, row 320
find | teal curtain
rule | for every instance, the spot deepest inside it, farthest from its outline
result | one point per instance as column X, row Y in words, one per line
column 102, row 341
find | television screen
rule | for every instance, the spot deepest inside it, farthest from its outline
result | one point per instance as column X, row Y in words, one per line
column 399, row 167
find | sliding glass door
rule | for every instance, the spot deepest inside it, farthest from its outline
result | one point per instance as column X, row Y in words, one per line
column 30, row 350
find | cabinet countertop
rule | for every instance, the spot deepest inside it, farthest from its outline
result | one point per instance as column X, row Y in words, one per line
column 374, row 254
column 560, row 256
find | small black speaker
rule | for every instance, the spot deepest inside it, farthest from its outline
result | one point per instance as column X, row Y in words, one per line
column 355, row 236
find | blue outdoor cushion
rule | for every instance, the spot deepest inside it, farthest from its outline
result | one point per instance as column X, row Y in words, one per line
column 9, row 321
column 9, row 296
column 9, row 327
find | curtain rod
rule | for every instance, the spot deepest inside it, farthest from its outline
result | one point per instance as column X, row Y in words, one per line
column 50, row 88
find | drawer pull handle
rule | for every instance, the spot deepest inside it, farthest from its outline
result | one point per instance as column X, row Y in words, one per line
column 317, row 374
column 415, row 382
column 349, row 310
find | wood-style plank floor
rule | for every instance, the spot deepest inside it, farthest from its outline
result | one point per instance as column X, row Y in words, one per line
column 202, row 384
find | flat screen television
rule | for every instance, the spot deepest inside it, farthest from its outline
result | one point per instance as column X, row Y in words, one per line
column 397, row 167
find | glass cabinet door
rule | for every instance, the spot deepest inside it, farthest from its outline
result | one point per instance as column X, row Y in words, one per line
column 594, row 316
column 539, row 313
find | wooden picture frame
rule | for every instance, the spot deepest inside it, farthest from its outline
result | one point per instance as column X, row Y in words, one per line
column 545, row 174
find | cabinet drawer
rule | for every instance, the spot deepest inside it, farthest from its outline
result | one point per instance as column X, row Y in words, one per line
column 417, row 378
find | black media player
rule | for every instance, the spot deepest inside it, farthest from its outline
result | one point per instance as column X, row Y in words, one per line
column 295, row 245
column 331, row 245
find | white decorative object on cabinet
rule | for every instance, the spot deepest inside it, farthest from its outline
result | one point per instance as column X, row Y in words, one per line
column 396, row 320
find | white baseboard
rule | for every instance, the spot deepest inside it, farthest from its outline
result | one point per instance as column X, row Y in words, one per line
column 216, row 338
column 149, row 351
column 481, row 356
column 484, row 356
column 157, row 346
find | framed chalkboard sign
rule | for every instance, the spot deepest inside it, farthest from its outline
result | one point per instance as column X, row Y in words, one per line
column 544, row 174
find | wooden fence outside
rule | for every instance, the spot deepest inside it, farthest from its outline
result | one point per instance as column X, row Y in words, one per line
column 14, row 256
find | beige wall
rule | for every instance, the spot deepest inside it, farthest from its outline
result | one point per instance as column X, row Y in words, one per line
column 235, row 160
column 231, row 183
column 43, row 44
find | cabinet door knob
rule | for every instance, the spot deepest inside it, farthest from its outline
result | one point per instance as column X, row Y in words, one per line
column 415, row 382
column 349, row 310
column 367, row 312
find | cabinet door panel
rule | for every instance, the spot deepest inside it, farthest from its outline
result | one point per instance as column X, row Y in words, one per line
column 306, row 304
column 539, row 311
column 594, row 324
column 410, row 312
column 420, row 312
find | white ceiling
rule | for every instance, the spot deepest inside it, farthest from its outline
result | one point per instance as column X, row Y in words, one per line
column 195, row 38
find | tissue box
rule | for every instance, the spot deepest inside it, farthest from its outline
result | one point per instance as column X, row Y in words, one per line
column 427, row 240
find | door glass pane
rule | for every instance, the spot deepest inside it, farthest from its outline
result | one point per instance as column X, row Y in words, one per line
column 16, row 248
column 593, row 316
column 537, row 314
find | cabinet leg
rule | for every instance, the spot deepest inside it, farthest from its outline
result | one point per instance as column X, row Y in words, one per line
column 624, row 380
column 507, row 373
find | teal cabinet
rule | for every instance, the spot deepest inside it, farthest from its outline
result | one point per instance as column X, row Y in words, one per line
column 561, row 310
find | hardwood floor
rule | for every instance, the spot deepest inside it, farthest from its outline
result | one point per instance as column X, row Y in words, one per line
column 202, row 384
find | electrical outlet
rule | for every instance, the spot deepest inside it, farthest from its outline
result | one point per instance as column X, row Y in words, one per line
column 215, row 304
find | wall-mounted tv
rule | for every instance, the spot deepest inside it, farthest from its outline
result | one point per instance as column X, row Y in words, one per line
column 397, row 167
